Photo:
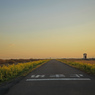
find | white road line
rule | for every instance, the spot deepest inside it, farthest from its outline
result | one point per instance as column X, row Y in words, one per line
column 81, row 75
column 58, row 79
column 74, row 75
column 61, row 75
column 32, row 76
column 77, row 75
column 37, row 76
column 42, row 76
column 57, row 75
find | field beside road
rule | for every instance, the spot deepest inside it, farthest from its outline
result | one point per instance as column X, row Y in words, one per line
column 15, row 61
column 20, row 69
column 85, row 65
column 88, row 61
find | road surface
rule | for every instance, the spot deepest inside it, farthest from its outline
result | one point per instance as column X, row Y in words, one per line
column 55, row 78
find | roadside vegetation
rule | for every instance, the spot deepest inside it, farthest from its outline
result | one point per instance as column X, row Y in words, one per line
column 84, row 65
column 20, row 69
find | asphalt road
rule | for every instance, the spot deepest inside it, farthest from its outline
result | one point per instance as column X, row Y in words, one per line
column 55, row 78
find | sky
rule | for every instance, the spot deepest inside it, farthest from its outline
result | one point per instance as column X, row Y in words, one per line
column 47, row 28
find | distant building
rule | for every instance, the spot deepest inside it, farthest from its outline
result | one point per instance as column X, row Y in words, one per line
column 85, row 56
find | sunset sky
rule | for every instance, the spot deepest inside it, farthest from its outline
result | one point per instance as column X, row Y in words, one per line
column 47, row 28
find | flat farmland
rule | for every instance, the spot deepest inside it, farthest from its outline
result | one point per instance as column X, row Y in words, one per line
column 88, row 61
column 87, row 65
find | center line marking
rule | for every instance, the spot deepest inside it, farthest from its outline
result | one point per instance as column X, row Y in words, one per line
column 57, row 79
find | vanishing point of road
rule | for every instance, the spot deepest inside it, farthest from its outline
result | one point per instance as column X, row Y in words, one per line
column 55, row 78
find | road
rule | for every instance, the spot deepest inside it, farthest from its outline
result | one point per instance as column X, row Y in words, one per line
column 55, row 78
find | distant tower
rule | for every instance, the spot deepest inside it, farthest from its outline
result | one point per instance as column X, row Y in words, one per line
column 85, row 56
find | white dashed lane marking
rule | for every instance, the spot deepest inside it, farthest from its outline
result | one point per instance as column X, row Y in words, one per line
column 81, row 75
column 57, row 77
column 32, row 76
column 74, row 75
column 77, row 76
column 61, row 75
column 37, row 76
column 42, row 76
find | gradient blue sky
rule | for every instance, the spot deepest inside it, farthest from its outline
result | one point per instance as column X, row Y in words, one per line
column 47, row 28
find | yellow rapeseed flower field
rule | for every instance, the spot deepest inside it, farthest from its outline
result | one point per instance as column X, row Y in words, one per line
column 11, row 71
column 87, row 67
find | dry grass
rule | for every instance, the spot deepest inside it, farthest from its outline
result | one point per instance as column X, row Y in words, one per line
column 89, row 61
column 86, row 61
column 15, row 61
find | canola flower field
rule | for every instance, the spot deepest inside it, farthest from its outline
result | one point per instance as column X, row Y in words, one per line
column 87, row 67
column 12, row 71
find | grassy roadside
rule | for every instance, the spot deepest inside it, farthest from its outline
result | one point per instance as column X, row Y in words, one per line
column 87, row 67
column 12, row 71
